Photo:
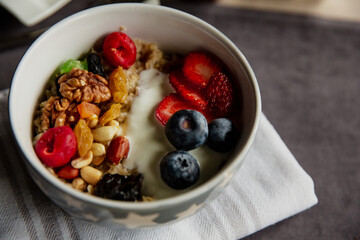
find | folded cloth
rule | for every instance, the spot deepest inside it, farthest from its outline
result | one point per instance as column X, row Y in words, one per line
column 269, row 187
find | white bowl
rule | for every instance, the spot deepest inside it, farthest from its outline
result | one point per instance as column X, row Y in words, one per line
column 171, row 30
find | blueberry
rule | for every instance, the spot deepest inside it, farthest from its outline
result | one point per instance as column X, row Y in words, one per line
column 187, row 129
column 94, row 64
column 223, row 135
column 179, row 169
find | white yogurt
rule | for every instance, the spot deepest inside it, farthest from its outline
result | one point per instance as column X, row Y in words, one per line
column 148, row 142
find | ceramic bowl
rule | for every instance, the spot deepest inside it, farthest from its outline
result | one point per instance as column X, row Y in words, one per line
column 171, row 30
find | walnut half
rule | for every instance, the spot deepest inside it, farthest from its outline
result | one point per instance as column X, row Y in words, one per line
column 83, row 86
column 58, row 112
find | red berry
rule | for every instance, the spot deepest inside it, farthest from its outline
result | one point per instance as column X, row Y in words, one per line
column 220, row 95
column 173, row 103
column 118, row 149
column 68, row 172
column 56, row 146
column 199, row 67
column 119, row 50
column 169, row 105
column 177, row 80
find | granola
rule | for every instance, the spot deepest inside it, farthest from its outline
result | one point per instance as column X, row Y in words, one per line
column 61, row 108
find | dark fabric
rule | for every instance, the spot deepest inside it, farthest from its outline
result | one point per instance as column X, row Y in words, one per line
column 308, row 71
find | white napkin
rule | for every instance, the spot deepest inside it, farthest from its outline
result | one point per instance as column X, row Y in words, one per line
column 269, row 187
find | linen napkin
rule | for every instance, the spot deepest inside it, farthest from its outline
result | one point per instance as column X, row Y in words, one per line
column 269, row 187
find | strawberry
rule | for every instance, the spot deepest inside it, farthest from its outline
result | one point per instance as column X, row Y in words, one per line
column 195, row 97
column 199, row 67
column 173, row 103
column 169, row 105
column 220, row 95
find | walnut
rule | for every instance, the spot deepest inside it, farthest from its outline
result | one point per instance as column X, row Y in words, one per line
column 83, row 86
column 58, row 112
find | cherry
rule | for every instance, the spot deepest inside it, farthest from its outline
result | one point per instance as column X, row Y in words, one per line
column 119, row 50
column 56, row 146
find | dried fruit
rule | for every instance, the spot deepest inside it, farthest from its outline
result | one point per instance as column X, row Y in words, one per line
column 68, row 172
column 111, row 114
column 87, row 110
column 199, row 67
column 56, row 146
column 119, row 50
column 67, row 66
column 118, row 149
column 98, row 160
column 94, row 64
column 220, row 95
column 84, row 137
column 119, row 187
column 178, row 81
column 117, row 85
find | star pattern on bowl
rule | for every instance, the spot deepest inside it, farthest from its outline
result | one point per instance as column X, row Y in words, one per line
column 90, row 217
column 191, row 210
column 134, row 220
column 228, row 176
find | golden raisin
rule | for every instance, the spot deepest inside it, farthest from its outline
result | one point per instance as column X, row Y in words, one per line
column 84, row 137
column 118, row 85
column 111, row 114
column 98, row 160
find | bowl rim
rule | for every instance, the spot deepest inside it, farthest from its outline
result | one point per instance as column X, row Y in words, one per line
column 193, row 193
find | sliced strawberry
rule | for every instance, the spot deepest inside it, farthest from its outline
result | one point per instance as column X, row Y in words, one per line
column 169, row 105
column 195, row 97
column 199, row 67
column 220, row 95
column 173, row 103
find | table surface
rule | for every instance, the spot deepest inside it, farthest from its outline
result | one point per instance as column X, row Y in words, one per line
column 308, row 72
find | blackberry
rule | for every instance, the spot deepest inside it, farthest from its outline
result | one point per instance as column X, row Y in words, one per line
column 120, row 187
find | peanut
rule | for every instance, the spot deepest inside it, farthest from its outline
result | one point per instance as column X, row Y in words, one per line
column 92, row 121
column 79, row 184
column 104, row 134
column 98, row 149
column 118, row 149
column 91, row 175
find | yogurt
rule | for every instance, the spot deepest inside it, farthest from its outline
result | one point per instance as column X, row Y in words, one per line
column 148, row 142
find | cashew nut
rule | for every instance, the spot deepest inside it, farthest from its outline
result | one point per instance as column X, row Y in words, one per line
column 83, row 161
